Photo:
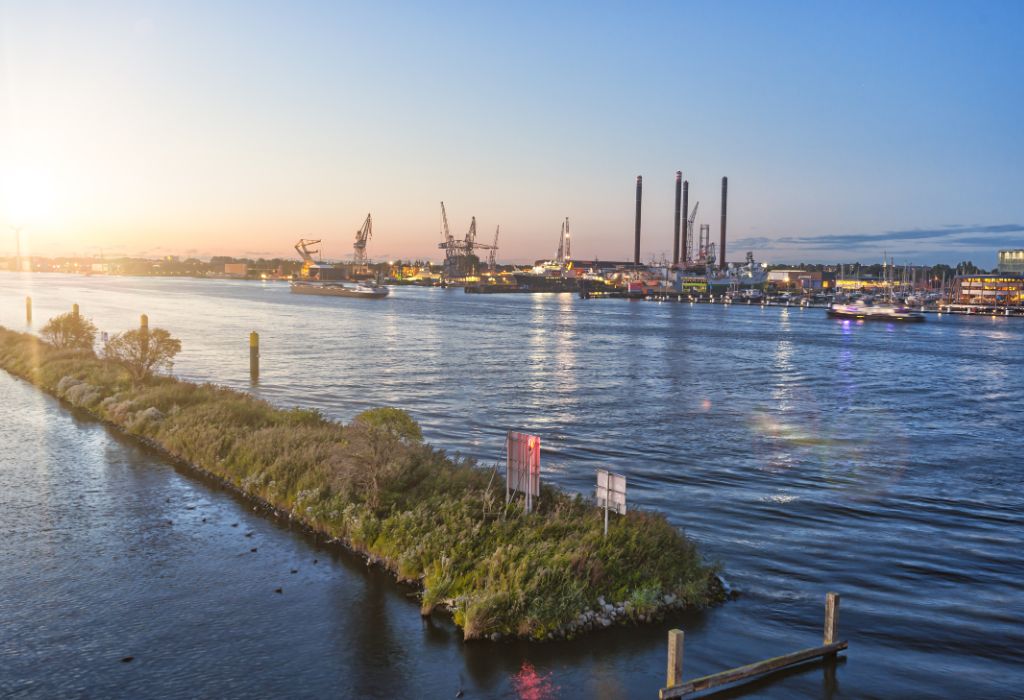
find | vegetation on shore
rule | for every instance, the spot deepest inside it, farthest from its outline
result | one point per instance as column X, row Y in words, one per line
column 437, row 521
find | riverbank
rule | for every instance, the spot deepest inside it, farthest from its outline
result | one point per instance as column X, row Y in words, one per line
column 374, row 486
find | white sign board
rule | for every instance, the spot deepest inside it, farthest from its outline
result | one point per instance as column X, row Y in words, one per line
column 611, row 491
column 523, row 467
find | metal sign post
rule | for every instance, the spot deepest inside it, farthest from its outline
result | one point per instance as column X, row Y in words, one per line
column 611, row 494
column 522, row 454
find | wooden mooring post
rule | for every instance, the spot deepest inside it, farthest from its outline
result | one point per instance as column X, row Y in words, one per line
column 254, row 356
column 28, row 310
column 675, row 687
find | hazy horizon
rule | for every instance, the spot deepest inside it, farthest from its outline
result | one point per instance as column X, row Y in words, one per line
column 191, row 129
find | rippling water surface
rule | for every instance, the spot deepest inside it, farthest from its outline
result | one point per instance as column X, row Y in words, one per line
column 805, row 455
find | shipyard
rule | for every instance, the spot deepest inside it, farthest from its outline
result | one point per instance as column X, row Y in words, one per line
column 698, row 271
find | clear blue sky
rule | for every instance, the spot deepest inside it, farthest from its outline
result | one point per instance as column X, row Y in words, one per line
column 845, row 129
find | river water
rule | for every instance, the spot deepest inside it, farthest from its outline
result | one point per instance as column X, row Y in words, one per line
column 806, row 455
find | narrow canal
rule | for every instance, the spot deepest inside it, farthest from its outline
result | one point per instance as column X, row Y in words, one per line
column 804, row 454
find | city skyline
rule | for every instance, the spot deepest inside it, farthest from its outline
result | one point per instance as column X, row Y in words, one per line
column 233, row 130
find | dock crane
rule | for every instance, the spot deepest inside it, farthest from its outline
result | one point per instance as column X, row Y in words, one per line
column 460, row 259
column 492, row 257
column 305, row 250
column 449, row 241
column 359, row 247
column 688, row 254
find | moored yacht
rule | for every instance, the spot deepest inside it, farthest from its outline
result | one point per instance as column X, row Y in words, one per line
column 869, row 311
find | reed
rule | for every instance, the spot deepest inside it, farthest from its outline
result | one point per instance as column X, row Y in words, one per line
column 437, row 521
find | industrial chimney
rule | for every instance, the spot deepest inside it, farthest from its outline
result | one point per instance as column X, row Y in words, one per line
column 639, row 196
column 684, row 250
column 721, row 244
column 675, row 236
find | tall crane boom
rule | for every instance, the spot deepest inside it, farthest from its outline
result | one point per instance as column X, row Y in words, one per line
column 492, row 257
column 445, row 233
column 362, row 236
column 688, row 254
column 303, row 249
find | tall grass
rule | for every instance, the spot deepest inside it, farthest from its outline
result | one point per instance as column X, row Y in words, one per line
column 374, row 485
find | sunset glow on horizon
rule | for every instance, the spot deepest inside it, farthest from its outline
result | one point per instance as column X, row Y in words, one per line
column 235, row 129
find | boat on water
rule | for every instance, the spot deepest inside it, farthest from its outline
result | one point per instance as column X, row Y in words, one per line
column 747, row 275
column 866, row 310
column 547, row 278
column 361, row 290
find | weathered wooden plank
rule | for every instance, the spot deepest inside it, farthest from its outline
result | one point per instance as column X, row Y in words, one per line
column 674, row 674
column 831, row 618
column 750, row 670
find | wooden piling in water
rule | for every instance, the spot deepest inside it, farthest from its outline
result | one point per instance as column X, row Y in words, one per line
column 254, row 356
column 675, row 687
column 674, row 672
column 28, row 310
column 831, row 618
column 74, row 310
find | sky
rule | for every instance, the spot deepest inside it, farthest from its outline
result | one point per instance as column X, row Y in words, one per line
column 848, row 130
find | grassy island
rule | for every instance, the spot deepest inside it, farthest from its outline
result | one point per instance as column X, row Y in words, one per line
column 375, row 486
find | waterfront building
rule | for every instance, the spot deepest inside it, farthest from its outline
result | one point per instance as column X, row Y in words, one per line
column 801, row 279
column 989, row 289
column 1011, row 262
column 236, row 269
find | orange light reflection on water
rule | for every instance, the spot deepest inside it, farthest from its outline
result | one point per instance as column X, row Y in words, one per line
column 530, row 685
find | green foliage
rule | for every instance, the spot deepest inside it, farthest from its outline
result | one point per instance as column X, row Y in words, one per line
column 70, row 331
column 393, row 421
column 374, row 484
column 143, row 351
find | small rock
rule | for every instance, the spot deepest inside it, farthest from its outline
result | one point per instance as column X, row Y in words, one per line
column 253, row 549
column 127, row 659
column 295, row 571
column 316, row 561
column 234, row 524
column 170, row 522
column 204, row 520
column 249, row 534
column 278, row 590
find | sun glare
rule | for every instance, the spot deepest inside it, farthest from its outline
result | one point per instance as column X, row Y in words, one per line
column 28, row 197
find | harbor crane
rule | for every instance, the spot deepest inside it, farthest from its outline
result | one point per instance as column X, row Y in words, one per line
column 688, row 254
column 306, row 251
column 362, row 236
column 492, row 257
column 449, row 240
column 460, row 259
column 303, row 247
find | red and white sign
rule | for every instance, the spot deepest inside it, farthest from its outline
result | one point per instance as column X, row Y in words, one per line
column 523, row 472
